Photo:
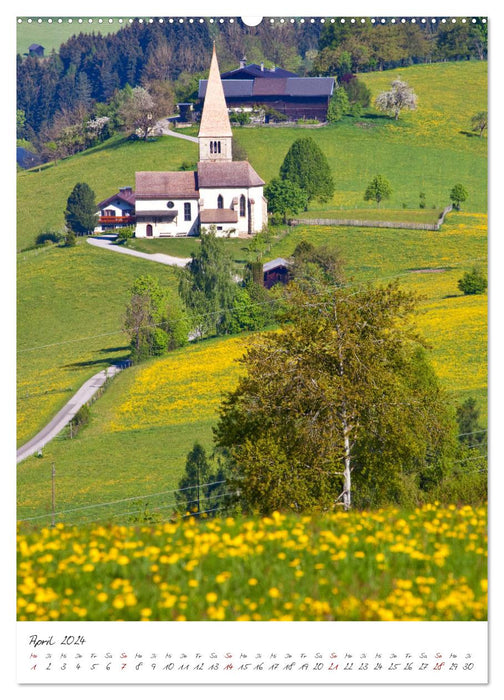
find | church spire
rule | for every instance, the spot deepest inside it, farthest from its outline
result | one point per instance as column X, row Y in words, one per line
column 215, row 129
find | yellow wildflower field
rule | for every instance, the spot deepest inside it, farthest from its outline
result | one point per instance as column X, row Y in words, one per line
column 425, row 564
column 183, row 387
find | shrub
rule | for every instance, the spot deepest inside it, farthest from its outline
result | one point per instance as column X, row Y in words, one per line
column 240, row 118
column 70, row 239
column 474, row 282
column 124, row 234
column 48, row 237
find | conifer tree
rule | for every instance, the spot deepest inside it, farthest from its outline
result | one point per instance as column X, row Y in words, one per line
column 80, row 213
column 306, row 166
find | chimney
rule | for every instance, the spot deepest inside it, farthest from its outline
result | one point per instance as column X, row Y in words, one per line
column 243, row 62
column 262, row 65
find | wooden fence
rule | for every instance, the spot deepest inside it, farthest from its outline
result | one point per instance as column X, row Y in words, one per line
column 374, row 224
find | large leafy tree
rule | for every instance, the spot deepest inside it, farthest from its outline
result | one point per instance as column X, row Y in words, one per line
column 341, row 403
column 80, row 213
column 207, row 287
column 285, row 198
column 306, row 166
column 378, row 189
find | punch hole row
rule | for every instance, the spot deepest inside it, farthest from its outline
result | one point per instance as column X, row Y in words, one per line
column 272, row 20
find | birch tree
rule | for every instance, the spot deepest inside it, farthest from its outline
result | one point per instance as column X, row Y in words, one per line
column 340, row 392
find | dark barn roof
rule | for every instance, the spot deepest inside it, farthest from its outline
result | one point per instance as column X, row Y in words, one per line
column 283, row 87
column 253, row 70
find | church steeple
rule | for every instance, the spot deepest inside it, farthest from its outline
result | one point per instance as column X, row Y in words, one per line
column 215, row 135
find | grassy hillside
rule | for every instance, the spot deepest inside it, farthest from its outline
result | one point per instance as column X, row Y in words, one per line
column 150, row 417
column 428, row 150
column 52, row 35
column 70, row 307
column 70, row 301
column 43, row 193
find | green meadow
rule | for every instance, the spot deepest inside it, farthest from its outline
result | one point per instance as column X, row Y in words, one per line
column 139, row 437
column 71, row 301
column 52, row 34
column 70, row 308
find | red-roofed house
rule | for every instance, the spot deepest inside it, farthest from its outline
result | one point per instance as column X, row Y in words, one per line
column 116, row 211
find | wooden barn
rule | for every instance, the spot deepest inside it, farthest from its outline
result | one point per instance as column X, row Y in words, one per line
column 275, row 272
column 254, row 85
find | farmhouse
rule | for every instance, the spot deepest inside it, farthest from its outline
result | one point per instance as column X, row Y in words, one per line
column 116, row 211
column 222, row 193
column 254, row 85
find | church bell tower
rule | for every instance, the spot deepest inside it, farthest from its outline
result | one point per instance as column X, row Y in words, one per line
column 215, row 136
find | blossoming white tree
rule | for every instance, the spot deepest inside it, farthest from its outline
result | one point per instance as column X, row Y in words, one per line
column 400, row 96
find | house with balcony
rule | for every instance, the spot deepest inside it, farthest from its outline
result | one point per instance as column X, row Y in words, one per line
column 116, row 211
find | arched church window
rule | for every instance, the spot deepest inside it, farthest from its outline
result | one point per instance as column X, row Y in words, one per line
column 211, row 146
column 242, row 205
column 218, row 146
column 220, row 202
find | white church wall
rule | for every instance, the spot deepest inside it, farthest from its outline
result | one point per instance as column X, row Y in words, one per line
column 178, row 226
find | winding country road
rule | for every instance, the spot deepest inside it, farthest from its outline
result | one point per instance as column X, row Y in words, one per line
column 89, row 388
column 65, row 415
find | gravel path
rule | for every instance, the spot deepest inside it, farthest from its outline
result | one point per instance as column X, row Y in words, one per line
column 107, row 243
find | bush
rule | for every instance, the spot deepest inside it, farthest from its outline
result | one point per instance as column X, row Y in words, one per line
column 48, row 237
column 474, row 282
column 240, row 118
column 70, row 239
column 124, row 234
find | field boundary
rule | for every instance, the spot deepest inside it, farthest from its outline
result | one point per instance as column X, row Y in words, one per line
column 374, row 224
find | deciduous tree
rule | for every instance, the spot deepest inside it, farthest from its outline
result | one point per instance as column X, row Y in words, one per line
column 342, row 395
column 378, row 189
column 154, row 322
column 285, row 198
column 479, row 122
column 207, row 287
column 458, row 194
column 400, row 96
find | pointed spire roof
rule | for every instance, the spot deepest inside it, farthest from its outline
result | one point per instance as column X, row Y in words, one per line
column 214, row 118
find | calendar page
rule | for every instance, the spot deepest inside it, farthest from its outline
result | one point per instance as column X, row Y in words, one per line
column 251, row 293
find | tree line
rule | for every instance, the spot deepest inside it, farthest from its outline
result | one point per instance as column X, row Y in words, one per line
column 82, row 85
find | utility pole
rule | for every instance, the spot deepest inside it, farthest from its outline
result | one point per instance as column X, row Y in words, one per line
column 53, row 490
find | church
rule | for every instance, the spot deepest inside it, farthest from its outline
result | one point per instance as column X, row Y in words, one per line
column 221, row 193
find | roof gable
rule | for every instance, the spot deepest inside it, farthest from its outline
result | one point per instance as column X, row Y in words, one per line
column 162, row 184
column 228, row 174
